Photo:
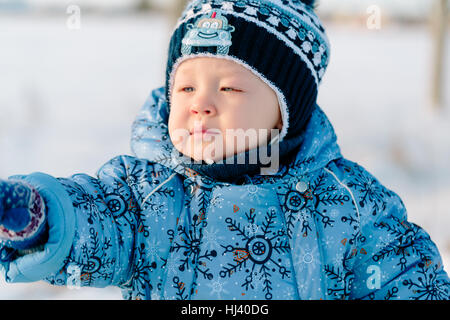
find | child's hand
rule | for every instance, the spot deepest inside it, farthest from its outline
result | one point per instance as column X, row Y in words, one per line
column 22, row 215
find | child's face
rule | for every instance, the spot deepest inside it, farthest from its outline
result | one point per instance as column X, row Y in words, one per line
column 218, row 94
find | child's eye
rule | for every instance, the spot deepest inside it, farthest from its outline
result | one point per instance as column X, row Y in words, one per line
column 228, row 89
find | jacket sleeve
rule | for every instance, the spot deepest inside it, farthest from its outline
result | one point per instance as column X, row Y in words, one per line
column 395, row 258
column 92, row 225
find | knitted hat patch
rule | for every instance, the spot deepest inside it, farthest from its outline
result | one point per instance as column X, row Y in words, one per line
column 211, row 30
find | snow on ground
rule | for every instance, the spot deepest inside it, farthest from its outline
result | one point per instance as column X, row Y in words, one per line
column 68, row 98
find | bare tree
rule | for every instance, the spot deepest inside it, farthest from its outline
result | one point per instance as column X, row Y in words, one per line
column 178, row 9
column 144, row 5
column 439, row 30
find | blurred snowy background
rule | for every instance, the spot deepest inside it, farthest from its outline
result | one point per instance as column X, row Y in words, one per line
column 69, row 93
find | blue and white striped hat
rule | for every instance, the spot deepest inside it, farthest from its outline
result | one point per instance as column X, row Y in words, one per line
column 282, row 42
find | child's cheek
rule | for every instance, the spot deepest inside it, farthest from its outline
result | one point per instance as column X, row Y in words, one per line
column 178, row 136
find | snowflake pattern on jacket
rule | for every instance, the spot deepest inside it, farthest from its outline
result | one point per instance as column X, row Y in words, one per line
column 320, row 228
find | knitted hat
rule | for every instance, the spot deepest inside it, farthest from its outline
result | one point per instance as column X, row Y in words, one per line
column 282, row 42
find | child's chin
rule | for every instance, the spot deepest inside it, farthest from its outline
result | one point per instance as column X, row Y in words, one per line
column 209, row 155
column 206, row 154
column 199, row 155
column 207, row 159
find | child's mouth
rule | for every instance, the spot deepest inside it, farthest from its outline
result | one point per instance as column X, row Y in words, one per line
column 203, row 134
column 200, row 130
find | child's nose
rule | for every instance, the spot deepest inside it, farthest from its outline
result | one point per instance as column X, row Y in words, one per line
column 203, row 107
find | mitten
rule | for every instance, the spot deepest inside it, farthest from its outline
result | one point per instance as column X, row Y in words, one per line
column 23, row 221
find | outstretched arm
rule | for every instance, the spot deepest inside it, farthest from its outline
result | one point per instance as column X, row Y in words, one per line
column 92, row 225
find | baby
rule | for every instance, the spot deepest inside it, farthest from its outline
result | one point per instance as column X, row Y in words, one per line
column 193, row 214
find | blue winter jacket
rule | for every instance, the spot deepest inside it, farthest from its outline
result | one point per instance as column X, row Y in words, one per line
column 322, row 227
